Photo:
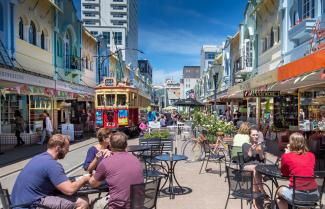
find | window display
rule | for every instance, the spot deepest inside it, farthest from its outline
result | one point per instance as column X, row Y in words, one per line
column 286, row 111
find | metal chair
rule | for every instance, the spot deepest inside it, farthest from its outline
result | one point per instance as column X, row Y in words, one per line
column 210, row 155
column 240, row 184
column 303, row 199
column 144, row 196
column 5, row 202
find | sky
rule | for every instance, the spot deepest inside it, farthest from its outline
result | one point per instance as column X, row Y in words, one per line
column 172, row 32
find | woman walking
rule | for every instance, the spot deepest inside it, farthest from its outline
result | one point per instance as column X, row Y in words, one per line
column 19, row 127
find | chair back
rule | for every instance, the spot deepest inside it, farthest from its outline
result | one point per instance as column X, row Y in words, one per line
column 4, row 198
column 308, row 191
column 239, row 181
column 156, row 150
column 145, row 195
column 240, row 158
column 233, row 150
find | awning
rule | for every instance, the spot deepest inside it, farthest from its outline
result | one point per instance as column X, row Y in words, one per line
column 307, row 64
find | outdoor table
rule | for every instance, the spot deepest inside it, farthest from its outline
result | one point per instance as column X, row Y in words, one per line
column 137, row 148
column 171, row 161
column 87, row 189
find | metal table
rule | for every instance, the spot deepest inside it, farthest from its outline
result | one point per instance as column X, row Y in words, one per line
column 87, row 189
column 137, row 148
column 171, row 161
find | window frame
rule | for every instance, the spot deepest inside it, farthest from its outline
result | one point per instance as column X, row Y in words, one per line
column 32, row 34
column 43, row 40
column 21, row 28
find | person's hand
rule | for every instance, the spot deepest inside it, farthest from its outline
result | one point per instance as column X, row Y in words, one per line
column 86, row 177
column 106, row 153
column 99, row 155
column 287, row 149
column 253, row 147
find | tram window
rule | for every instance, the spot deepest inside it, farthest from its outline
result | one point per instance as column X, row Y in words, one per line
column 133, row 99
column 121, row 99
column 100, row 100
column 110, row 99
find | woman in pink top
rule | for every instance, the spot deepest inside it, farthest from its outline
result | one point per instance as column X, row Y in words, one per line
column 297, row 161
column 143, row 127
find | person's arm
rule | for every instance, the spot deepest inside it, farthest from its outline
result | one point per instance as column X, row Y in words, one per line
column 91, row 156
column 99, row 176
column 69, row 188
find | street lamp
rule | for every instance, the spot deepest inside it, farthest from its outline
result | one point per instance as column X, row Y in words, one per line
column 215, row 79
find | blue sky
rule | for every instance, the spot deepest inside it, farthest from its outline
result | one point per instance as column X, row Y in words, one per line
column 171, row 32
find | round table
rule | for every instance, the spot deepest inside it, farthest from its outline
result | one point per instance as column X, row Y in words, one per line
column 171, row 161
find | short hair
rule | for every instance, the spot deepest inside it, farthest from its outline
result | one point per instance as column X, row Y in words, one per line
column 119, row 141
column 244, row 128
column 57, row 140
column 103, row 133
column 298, row 143
column 253, row 128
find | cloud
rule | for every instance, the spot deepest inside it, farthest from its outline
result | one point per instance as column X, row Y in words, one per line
column 159, row 76
column 175, row 41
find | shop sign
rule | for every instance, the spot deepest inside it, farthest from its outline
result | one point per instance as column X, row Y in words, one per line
column 123, row 117
column 253, row 93
column 18, row 77
column 69, row 87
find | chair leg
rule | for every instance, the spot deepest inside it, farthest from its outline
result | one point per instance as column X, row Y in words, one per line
column 202, row 165
column 241, row 203
column 227, row 202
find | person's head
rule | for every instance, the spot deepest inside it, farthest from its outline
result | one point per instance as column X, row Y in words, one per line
column 298, row 143
column 253, row 135
column 118, row 142
column 59, row 145
column 83, row 110
column 17, row 113
column 103, row 135
column 244, row 128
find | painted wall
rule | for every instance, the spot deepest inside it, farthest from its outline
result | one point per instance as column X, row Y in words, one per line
column 88, row 54
column 33, row 57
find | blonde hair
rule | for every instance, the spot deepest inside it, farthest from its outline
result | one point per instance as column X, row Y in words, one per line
column 244, row 128
column 298, row 143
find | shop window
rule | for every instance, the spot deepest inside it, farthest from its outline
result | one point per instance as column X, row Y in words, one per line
column 110, row 99
column 21, row 29
column 32, row 33
column 121, row 99
column 42, row 40
column 279, row 34
column 1, row 18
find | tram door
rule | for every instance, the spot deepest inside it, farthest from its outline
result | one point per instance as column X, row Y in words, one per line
column 109, row 119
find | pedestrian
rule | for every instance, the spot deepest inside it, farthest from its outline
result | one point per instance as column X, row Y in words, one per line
column 143, row 127
column 120, row 171
column 43, row 180
column 19, row 127
column 162, row 121
column 83, row 118
column 91, row 117
column 47, row 127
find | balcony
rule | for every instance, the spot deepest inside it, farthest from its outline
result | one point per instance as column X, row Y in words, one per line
column 91, row 1
column 90, row 8
column 72, row 65
column 119, row 2
column 302, row 30
column 119, row 8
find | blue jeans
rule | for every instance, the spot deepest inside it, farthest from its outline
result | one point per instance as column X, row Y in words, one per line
column 44, row 134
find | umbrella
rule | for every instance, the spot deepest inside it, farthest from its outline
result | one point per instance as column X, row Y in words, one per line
column 189, row 102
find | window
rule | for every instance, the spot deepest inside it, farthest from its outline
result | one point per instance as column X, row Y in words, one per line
column 21, row 29
column 117, row 36
column 248, row 53
column 279, row 34
column 67, row 46
column 100, row 100
column 95, row 33
column 89, row 14
column 1, row 18
column 121, row 99
column 87, row 63
column 118, row 7
column 89, row 22
column 308, row 9
column 264, row 44
column 118, row 15
column 110, row 99
column 210, row 55
column 271, row 37
column 32, row 33
column 118, row 23
column 106, row 36
column 89, row 6
column 295, row 18
column 117, row 0
column 323, row 6
column 42, row 40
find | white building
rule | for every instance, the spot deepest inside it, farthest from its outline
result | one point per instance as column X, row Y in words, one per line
column 208, row 53
column 191, row 75
column 117, row 21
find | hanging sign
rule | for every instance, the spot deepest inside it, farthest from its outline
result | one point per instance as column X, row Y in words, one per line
column 253, row 93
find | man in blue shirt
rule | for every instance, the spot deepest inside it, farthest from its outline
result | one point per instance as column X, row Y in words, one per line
column 39, row 179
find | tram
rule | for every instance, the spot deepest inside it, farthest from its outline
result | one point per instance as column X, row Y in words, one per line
column 118, row 106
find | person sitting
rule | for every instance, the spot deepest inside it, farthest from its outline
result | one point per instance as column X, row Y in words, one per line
column 297, row 161
column 96, row 153
column 43, row 175
column 240, row 138
column 253, row 154
column 120, row 170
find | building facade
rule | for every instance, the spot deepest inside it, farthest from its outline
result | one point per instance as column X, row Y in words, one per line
column 145, row 70
column 191, row 75
column 117, row 22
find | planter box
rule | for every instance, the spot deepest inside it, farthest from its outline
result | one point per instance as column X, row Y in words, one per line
column 168, row 143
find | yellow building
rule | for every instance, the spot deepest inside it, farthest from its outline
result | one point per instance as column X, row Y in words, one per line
column 88, row 54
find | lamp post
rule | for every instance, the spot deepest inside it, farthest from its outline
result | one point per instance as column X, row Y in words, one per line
column 215, row 79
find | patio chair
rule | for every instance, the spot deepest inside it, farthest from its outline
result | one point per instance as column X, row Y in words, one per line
column 303, row 199
column 142, row 196
column 240, row 185
column 5, row 202
column 211, row 156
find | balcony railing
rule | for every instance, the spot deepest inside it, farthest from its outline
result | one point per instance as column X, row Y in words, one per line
column 72, row 63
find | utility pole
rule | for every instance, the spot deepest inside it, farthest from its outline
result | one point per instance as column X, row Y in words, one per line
column 215, row 79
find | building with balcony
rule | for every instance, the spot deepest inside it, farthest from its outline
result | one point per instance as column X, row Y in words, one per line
column 116, row 21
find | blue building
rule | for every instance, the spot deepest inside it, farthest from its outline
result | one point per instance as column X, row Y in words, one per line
column 7, row 31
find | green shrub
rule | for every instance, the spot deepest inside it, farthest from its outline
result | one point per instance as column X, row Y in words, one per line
column 157, row 134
